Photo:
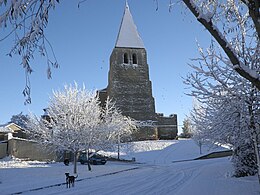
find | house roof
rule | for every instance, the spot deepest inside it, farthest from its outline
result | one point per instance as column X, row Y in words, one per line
column 9, row 128
column 5, row 130
column 128, row 35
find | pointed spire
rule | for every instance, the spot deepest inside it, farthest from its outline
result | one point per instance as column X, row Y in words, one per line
column 126, row 4
column 128, row 35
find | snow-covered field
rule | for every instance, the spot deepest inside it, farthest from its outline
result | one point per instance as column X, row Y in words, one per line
column 155, row 172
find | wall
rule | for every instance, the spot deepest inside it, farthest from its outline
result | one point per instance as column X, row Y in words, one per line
column 167, row 126
column 145, row 133
column 25, row 149
column 3, row 150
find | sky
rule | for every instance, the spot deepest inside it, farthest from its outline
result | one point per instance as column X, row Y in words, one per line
column 83, row 39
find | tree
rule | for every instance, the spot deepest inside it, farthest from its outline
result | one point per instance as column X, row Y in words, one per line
column 229, row 108
column 27, row 20
column 74, row 117
column 77, row 122
column 20, row 119
column 235, row 25
column 187, row 129
column 230, row 21
column 121, row 127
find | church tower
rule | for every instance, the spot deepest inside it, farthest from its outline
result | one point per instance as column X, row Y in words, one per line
column 130, row 87
column 129, row 83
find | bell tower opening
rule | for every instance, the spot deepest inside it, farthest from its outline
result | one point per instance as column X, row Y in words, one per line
column 126, row 61
column 134, row 58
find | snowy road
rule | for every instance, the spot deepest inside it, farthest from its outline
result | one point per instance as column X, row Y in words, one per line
column 156, row 175
column 197, row 177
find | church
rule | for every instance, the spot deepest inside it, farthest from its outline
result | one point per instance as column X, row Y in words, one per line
column 130, row 87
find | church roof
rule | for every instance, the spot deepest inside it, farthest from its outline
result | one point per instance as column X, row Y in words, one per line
column 128, row 35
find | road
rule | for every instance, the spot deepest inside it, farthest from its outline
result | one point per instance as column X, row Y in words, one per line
column 193, row 177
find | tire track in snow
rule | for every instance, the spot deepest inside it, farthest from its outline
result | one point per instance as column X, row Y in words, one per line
column 147, row 180
column 166, row 153
column 78, row 180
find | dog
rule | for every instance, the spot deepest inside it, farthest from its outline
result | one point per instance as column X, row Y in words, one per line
column 70, row 180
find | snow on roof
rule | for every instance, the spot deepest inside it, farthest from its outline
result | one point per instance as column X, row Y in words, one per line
column 128, row 35
column 6, row 130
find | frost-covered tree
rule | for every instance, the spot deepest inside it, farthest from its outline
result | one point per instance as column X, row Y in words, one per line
column 228, row 101
column 26, row 21
column 77, row 122
column 187, row 128
column 230, row 22
column 74, row 117
column 120, row 127
column 229, row 111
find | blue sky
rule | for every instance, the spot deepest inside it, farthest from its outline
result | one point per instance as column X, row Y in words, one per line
column 83, row 39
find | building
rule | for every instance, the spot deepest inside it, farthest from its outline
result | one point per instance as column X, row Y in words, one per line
column 10, row 130
column 129, row 84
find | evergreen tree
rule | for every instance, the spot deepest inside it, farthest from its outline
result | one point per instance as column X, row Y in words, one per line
column 20, row 119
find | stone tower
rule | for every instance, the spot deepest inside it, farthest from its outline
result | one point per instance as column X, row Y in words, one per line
column 129, row 84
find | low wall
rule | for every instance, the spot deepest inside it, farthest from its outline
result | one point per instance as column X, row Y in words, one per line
column 145, row 133
column 218, row 154
column 3, row 150
column 30, row 150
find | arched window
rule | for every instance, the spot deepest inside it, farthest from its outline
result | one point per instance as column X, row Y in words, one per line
column 134, row 59
column 125, row 58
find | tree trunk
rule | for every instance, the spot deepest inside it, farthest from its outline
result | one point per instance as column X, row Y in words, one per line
column 200, row 145
column 255, row 139
column 75, row 161
column 118, row 147
column 89, row 167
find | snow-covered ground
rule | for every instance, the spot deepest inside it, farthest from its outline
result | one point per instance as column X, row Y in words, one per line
column 155, row 174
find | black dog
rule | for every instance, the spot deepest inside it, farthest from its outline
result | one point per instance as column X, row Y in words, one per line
column 70, row 179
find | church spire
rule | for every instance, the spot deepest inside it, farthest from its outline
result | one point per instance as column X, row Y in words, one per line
column 128, row 35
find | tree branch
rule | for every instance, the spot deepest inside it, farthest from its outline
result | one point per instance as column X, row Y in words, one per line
column 241, row 69
column 254, row 12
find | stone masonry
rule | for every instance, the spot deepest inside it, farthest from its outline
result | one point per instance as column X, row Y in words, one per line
column 130, row 87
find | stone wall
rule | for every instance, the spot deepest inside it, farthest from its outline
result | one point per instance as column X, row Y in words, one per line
column 30, row 150
column 167, row 126
column 145, row 133
column 3, row 150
